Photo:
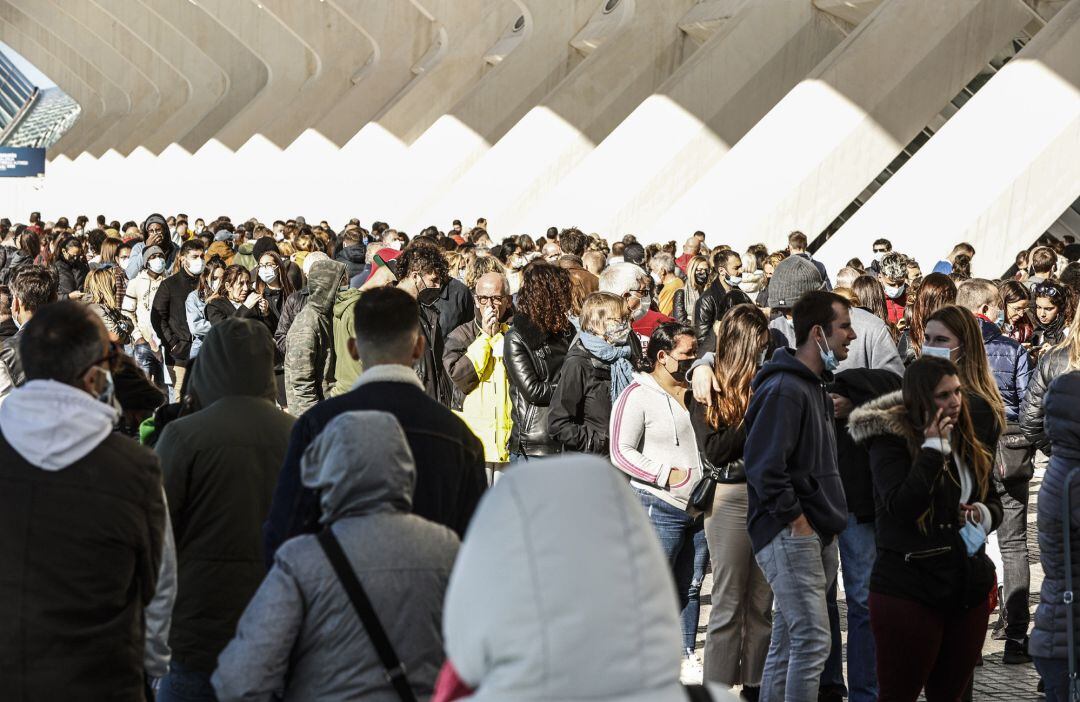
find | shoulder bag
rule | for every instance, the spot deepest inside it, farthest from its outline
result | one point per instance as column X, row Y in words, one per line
column 394, row 669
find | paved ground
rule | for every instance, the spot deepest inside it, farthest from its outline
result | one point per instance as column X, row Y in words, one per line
column 993, row 681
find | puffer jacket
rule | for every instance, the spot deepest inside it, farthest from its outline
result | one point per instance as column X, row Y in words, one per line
column 534, row 361
column 1049, row 638
column 1051, row 365
column 581, row 406
column 564, row 527
column 309, row 352
column 220, row 467
column 300, row 635
column 138, row 300
column 931, row 568
column 1010, row 364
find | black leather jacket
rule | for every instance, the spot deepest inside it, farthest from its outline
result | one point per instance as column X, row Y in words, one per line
column 705, row 312
column 1051, row 365
column 533, row 362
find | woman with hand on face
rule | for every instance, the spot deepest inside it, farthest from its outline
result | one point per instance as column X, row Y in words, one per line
column 272, row 284
column 235, row 298
column 930, row 586
column 652, row 441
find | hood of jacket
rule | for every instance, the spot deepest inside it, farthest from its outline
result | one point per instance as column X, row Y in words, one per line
column 52, row 424
column 564, row 530
column 236, row 358
column 324, row 279
column 344, row 302
column 783, row 361
column 1061, row 421
column 360, row 464
column 885, row 416
column 356, row 254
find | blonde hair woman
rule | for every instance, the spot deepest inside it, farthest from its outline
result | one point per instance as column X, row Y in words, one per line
column 99, row 292
column 699, row 274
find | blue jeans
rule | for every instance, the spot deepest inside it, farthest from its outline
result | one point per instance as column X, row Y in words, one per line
column 682, row 539
column 149, row 362
column 1055, row 675
column 182, row 685
column 800, row 570
column 858, row 550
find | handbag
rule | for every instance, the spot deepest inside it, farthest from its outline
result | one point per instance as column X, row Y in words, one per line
column 394, row 669
column 1067, row 598
column 701, row 496
column 1013, row 458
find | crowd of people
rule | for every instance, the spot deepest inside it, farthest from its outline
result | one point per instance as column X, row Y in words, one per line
column 249, row 461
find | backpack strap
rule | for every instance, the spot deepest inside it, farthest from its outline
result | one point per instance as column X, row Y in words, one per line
column 394, row 669
column 698, row 693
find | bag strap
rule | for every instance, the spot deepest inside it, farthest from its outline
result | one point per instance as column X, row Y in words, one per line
column 698, row 693
column 394, row 669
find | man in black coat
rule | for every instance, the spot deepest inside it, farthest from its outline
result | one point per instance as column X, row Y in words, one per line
column 82, row 521
column 167, row 313
column 449, row 458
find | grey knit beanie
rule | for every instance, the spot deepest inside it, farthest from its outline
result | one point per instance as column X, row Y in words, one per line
column 793, row 277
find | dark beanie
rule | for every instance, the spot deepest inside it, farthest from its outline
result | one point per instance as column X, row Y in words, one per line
column 155, row 218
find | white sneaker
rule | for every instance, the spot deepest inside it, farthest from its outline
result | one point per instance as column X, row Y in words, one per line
column 691, row 671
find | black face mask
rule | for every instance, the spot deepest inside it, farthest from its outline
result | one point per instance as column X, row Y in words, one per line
column 683, row 368
column 701, row 277
column 428, row 296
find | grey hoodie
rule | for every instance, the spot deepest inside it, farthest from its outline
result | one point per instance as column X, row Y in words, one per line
column 299, row 636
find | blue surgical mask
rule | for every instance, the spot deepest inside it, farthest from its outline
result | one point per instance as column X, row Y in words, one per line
column 1000, row 319
column 734, row 280
column 939, row 351
column 974, row 537
column 828, row 357
column 894, row 291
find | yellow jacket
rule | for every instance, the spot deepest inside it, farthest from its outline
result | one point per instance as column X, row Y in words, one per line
column 487, row 409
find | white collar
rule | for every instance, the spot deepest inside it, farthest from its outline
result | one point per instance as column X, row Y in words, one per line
column 388, row 373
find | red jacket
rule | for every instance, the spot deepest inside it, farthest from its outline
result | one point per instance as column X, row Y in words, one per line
column 896, row 307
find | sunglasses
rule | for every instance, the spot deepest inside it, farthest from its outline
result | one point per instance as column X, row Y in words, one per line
column 1050, row 291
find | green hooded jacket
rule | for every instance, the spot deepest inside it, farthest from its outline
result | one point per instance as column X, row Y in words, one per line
column 309, row 346
column 347, row 369
column 245, row 256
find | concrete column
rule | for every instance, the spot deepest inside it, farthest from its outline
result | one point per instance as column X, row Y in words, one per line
column 997, row 175
column 90, row 102
column 401, row 34
column 290, row 63
column 835, row 131
column 759, row 54
column 115, row 102
column 502, row 97
column 635, row 53
column 341, row 48
column 206, row 80
column 246, row 74
column 170, row 87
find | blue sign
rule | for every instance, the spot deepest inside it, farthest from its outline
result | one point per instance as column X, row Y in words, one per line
column 21, row 163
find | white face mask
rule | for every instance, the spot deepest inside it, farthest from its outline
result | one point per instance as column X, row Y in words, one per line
column 157, row 265
column 195, row 266
column 395, row 244
column 642, row 308
column 278, row 236
column 656, row 277
column 215, row 285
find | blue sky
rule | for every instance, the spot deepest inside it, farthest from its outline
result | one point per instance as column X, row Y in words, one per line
column 36, row 77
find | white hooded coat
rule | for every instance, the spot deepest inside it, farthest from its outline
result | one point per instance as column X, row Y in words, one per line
column 561, row 592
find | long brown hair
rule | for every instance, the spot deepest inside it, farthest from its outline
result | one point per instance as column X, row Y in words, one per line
column 545, row 297
column 871, row 295
column 974, row 368
column 920, row 383
column 741, row 335
column 935, row 291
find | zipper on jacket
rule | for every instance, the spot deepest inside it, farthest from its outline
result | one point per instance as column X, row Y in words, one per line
column 929, row 553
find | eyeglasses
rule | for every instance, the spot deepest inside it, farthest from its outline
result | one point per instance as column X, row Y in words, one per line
column 489, row 299
column 111, row 360
column 638, row 292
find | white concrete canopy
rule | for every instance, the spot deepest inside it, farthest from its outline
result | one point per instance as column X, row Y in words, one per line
column 835, row 131
column 997, row 174
column 629, row 57
column 759, row 53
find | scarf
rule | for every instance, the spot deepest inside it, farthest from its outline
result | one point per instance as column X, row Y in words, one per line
column 616, row 356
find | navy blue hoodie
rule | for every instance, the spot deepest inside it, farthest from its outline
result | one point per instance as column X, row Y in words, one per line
column 790, row 452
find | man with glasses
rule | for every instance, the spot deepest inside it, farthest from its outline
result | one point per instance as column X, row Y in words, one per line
column 84, row 520
column 474, row 361
column 881, row 247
